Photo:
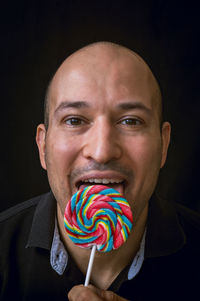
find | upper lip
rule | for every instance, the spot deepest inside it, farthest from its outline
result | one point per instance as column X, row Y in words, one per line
column 108, row 175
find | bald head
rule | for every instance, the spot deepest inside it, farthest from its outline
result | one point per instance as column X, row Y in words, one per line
column 99, row 58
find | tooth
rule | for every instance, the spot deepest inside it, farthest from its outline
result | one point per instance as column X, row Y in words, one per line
column 118, row 181
column 98, row 181
column 105, row 181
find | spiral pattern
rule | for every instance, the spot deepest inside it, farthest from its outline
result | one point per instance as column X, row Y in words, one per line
column 98, row 215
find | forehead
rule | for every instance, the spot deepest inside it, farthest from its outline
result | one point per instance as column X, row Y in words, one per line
column 116, row 73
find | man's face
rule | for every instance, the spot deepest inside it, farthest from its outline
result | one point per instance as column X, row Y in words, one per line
column 103, row 128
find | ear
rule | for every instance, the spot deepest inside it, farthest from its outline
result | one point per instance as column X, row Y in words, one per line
column 166, row 132
column 40, row 140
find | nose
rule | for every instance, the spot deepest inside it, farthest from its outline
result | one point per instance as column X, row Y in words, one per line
column 102, row 142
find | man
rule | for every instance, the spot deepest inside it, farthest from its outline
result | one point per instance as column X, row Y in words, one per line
column 103, row 124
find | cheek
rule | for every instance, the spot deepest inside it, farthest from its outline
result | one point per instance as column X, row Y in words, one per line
column 149, row 151
column 145, row 154
column 61, row 154
column 61, row 151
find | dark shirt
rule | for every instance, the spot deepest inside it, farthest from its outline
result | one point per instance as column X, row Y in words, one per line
column 170, row 270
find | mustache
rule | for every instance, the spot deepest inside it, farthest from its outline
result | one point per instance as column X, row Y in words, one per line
column 95, row 166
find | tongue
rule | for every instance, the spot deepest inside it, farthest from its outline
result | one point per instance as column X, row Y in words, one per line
column 117, row 186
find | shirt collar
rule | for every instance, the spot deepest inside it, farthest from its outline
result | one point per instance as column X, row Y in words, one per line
column 42, row 229
column 58, row 253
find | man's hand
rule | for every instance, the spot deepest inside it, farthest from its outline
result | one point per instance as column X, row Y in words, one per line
column 91, row 293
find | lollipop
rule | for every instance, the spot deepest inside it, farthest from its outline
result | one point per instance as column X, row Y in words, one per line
column 98, row 217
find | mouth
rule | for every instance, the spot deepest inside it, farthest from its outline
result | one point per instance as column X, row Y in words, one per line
column 115, row 183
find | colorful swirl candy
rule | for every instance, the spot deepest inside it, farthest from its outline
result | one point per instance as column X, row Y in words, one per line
column 98, row 215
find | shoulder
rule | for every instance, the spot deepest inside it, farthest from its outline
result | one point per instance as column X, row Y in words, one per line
column 190, row 223
column 18, row 219
column 188, row 219
column 190, row 216
column 21, row 209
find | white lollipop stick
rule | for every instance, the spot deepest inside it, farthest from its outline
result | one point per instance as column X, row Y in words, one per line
column 90, row 264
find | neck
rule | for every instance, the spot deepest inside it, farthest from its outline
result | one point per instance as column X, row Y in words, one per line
column 107, row 265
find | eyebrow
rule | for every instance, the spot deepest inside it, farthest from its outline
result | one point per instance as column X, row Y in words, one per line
column 71, row 104
column 133, row 106
column 83, row 104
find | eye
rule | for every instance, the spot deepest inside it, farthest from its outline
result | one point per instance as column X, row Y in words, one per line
column 74, row 121
column 131, row 122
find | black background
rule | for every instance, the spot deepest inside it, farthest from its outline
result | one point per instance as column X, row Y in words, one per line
column 37, row 36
